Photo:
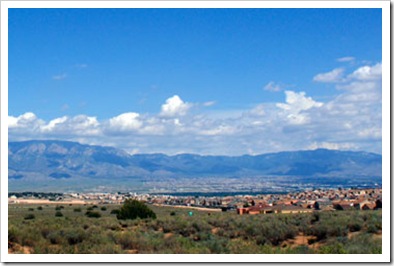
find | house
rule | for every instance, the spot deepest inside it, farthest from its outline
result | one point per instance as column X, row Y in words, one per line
column 364, row 205
column 343, row 205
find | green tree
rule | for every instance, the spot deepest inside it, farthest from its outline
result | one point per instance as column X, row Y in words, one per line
column 133, row 209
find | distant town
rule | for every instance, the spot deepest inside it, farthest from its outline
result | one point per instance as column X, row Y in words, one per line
column 294, row 202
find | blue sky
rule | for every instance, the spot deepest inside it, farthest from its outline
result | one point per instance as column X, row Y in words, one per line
column 209, row 81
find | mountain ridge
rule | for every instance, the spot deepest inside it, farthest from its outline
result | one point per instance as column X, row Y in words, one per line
column 43, row 160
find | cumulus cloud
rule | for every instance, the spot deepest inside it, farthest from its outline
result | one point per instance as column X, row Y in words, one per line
column 53, row 123
column 295, row 104
column 174, row 106
column 125, row 122
column 367, row 73
column 80, row 125
column 334, row 75
column 27, row 121
column 349, row 120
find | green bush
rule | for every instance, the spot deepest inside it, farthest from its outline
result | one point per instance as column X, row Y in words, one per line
column 12, row 234
column 39, row 208
column 59, row 214
column 75, row 237
column 31, row 209
column 92, row 214
column 54, row 238
column 77, row 210
column 115, row 211
column 29, row 216
column 103, row 208
column 133, row 209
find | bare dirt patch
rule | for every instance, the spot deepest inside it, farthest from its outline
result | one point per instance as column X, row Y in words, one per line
column 301, row 240
column 215, row 230
column 18, row 249
column 168, row 235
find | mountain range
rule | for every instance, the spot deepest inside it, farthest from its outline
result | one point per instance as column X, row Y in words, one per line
column 43, row 161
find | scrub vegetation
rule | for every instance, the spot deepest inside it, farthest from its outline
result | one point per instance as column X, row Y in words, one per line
column 84, row 229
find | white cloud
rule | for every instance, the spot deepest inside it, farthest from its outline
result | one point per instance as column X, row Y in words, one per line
column 27, row 121
column 125, row 122
column 295, row 104
column 272, row 86
column 331, row 146
column 80, row 125
column 210, row 103
column 60, row 76
column 53, row 123
column 346, row 59
column 367, row 73
column 220, row 130
column 258, row 110
column 349, row 120
column 174, row 106
column 334, row 75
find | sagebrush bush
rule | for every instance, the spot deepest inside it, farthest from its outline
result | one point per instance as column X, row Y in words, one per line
column 59, row 214
column 133, row 209
column 93, row 214
column 30, row 217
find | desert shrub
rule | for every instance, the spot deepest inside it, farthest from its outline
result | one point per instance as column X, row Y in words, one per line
column 77, row 210
column 54, row 237
column 315, row 217
column 94, row 207
column 133, row 209
column 12, row 234
column 217, row 246
column 92, row 214
column 39, row 208
column 115, row 211
column 172, row 213
column 75, row 237
column 320, row 231
column 337, row 230
column 85, row 226
column 58, row 208
column 354, row 226
column 58, row 214
column 90, row 208
column 31, row 209
column 302, row 249
column 103, row 208
column 29, row 217
column 45, row 231
column 261, row 240
column 372, row 228
column 336, row 248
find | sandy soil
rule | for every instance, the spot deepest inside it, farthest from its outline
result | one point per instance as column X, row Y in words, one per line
column 190, row 207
